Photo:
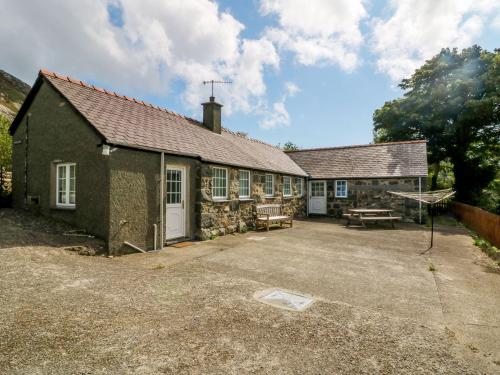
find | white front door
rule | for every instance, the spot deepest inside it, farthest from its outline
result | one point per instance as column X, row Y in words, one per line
column 175, row 217
column 317, row 197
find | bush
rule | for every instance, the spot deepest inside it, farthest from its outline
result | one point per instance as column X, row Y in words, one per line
column 490, row 197
column 486, row 247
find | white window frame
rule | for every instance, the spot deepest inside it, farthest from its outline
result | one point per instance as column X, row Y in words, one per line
column 249, row 184
column 299, row 181
column 272, row 185
column 67, row 181
column 290, row 194
column 219, row 197
column 340, row 196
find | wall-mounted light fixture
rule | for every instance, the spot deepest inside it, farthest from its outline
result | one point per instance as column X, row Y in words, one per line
column 106, row 150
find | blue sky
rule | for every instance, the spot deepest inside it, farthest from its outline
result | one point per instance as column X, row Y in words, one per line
column 308, row 72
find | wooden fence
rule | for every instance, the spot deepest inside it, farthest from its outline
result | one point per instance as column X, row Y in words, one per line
column 484, row 223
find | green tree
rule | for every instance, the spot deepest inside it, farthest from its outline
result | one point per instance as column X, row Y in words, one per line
column 290, row 146
column 453, row 101
column 5, row 144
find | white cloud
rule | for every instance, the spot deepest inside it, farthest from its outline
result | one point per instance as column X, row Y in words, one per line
column 160, row 41
column 495, row 23
column 321, row 31
column 279, row 116
column 291, row 89
column 417, row 30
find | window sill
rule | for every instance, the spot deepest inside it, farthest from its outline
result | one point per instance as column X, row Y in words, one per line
column 269, row 196
column 246, row 199
column 287, row 196
column 220, row 200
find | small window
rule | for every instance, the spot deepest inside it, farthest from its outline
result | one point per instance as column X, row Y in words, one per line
column 287, row 186
column 244, row 184
column 66, row 185
column 341, row 189
column 269, row 185
column 299, row 185
column 317, row 189
column 174, row 186
column 219, row 183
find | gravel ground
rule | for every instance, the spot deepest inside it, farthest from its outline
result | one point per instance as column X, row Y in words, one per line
column 192, row 311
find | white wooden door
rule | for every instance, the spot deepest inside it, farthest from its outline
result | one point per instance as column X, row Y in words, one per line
column 317, row 197
column 175, row 216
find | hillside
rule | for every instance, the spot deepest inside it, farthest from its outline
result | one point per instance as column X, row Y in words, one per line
column 12, row 93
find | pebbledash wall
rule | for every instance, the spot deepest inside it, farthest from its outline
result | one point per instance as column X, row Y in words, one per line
column 220, row 217
column 373, row 192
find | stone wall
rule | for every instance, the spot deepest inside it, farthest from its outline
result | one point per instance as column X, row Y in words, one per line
column 217, row 218
column 366, row 193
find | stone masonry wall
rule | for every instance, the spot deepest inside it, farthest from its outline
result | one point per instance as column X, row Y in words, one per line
column 366, row 193
column 217, row 218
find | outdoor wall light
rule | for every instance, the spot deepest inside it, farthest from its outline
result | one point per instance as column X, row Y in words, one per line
column 106, row 150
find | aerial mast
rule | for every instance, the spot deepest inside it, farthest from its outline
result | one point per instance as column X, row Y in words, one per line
column 212, row 82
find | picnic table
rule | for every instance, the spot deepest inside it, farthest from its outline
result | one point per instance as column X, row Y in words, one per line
column 364, row 215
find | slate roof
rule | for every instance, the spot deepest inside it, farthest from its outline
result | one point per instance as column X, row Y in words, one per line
column 396, row 159
column 129, row 122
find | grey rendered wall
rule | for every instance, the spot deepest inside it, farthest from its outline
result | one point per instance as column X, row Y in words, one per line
column 57, row 133
column 135, row 197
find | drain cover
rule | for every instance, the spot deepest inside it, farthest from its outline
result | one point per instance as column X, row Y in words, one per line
column 284, row 299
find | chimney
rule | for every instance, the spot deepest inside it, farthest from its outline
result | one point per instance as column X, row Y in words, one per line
column 212, row 115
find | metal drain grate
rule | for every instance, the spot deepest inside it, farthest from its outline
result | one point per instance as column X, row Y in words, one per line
column 284, row 299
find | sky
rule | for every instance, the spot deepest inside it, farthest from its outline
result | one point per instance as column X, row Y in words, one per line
column 310, row 72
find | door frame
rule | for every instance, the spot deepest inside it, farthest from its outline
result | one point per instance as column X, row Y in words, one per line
column 309, row 196
column 184, row 199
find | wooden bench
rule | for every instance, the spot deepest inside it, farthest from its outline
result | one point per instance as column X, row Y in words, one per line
column 267, row 214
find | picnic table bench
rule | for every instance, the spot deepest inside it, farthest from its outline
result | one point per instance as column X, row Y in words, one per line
column 267, row 214
column 364, row 215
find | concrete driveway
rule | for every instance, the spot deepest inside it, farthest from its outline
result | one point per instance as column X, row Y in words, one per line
column 378, row 309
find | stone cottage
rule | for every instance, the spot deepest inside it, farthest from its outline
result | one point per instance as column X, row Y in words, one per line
column 361, row 176
column 125, row 170
column 128, row 171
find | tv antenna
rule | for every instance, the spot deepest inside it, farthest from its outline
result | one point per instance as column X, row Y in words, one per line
column 211, row 82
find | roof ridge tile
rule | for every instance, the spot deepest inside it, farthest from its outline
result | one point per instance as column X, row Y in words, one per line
column 358, row 146
column 237, row 134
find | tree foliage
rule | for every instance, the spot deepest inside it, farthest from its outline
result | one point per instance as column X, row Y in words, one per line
column 290, row 146
column 5, row 144
column 453, row 101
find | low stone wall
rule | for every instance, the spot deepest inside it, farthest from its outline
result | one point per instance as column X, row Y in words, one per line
column 217, row 218
column 366, row 193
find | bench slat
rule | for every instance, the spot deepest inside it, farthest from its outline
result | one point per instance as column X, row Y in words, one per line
column 279, row 217
column 374, row 218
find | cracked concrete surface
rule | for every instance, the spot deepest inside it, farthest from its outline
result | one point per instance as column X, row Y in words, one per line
column 378, row 308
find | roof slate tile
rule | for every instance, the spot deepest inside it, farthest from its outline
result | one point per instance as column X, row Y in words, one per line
column 129, row 122
column 397, row 159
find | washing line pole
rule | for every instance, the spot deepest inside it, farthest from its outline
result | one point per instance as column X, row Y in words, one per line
column 430, row 198
column 432, row 225
column 420, row 200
